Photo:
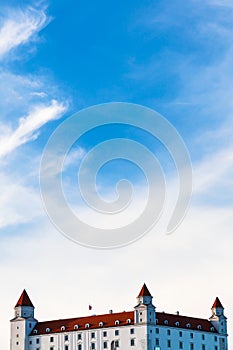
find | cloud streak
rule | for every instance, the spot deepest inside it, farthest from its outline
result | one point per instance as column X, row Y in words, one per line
column 19, row 27
column 29, row 126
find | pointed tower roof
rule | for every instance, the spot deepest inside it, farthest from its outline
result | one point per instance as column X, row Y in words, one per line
column 24, row 300
column 144, row 292
column 217, row 303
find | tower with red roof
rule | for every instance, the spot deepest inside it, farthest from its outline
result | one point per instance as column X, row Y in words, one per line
column 219, row 320
column 145, row 316
column 23, row 323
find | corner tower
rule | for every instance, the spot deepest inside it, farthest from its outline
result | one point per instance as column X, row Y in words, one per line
column 23, row 323
column 145, row 316
column 219, row 321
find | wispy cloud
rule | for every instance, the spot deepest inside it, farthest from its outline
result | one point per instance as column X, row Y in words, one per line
column 19, row 27
column 29, row 126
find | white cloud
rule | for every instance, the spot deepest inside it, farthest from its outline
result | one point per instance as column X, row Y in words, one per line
column 29, row 125
column 19, row 27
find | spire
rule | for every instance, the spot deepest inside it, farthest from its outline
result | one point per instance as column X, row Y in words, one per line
column 144, row 292
column 24, row 300
column 217, row 303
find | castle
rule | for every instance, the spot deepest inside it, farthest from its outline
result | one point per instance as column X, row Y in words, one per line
column 143, row 328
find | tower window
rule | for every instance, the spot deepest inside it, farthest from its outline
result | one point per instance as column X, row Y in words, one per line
column 157, row 341
column 79, row 346
column 168, row 332
column 51, row 339
column 180, row 345
column 79, row 336
column 132, row 331
column 117, row 344
column 66, row 347
column 203, row 347
column 105, row 334
column 191, row 335
column 203, row 336
column 169, row 343
column 157, row 330
column 92, row 346
column 116, row 332
column 180, row 334
column 191, row 346
column 93, row 335
column 105, row 344
column 66, row 337
column 37, row 340
column 132, row 342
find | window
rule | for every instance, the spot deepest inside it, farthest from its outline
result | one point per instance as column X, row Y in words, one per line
column 132, row 342
column 66, row 347
column 66, row 337
column 79, row 346
column 79, row 336
column 157, row 330
column 117, row 344
column 169, row 343
column 140, row 319
column 203, row 347
column 105, row 334
column 215, row 338
column 30, row 325
column 93, row 335
column 215, row 348
column 37, row 340
column 140, row 313
column 92, row 346
column 17, row 343
column 180, row 334
column 105, row 344
column 51, row 348
column 17, row 335
column 132, row 331
column 157, row 341
column 191, row 346
column 191, row 335
column 30, row 342
column 116, row 332
column 51, row 339
column 180, row 345
column 168, row 332
column 203, row 337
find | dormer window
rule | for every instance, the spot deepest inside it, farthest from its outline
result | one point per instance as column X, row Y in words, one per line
column 35, row 331
column 188, row 325
column 63, row 328
column 75, row 326
column 212, row 329
column 157, row 321
column 47, row 330
column 87, row 325
column 177, row 324
column 199, row 326
column 166, row 322
column 129, row 321
column 101, row 324
column 117, row 322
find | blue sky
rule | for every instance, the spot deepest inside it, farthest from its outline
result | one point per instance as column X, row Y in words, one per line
column 59, row 57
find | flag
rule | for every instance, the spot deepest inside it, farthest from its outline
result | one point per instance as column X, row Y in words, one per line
column 90, row 307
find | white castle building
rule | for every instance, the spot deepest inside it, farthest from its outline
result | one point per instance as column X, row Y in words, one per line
column 142, row 328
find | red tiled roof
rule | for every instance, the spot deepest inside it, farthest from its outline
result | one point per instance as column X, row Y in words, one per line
column 109, row 320
column 191, row 323
column 93, row 321
column 144, row 291
column 24, row 300
column 217, row 303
